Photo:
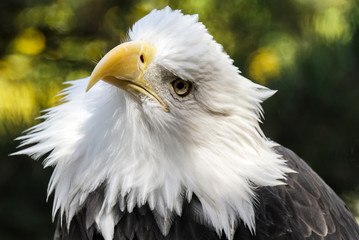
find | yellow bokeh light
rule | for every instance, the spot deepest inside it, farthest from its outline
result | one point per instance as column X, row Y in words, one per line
column 17, row 103
column 332, row 25
column 30, row 41
column 9, row 67
column 264, row 64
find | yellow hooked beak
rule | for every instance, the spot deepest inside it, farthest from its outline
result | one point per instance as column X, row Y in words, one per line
column 124, row 67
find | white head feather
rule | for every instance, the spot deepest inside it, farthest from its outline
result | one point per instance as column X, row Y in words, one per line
column 210, row 145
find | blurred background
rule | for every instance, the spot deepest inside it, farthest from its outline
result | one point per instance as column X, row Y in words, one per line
column 306, row 49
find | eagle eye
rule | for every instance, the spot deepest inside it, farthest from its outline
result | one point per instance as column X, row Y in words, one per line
column 181, row 87
column 142, row 58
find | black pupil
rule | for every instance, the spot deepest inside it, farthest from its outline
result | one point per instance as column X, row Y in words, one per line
column 180, row 85
column 142, row 59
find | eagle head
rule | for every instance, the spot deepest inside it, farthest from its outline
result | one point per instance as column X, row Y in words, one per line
column 163, row 116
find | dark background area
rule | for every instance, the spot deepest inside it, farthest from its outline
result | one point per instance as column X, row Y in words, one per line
column 308, row 50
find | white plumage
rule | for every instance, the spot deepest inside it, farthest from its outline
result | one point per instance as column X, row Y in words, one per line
column 209, row 143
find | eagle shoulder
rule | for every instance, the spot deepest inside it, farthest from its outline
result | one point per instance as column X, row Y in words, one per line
column 304, row 208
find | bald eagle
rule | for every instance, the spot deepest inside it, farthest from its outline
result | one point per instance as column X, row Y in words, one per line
column 163, row 141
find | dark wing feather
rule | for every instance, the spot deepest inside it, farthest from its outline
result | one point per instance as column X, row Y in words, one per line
column 304, row 208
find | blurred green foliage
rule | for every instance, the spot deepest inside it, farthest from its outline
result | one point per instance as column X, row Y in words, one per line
column 306, row 49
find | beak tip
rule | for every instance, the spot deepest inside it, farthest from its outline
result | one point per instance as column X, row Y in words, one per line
column 87, row 88
column 91, row 83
